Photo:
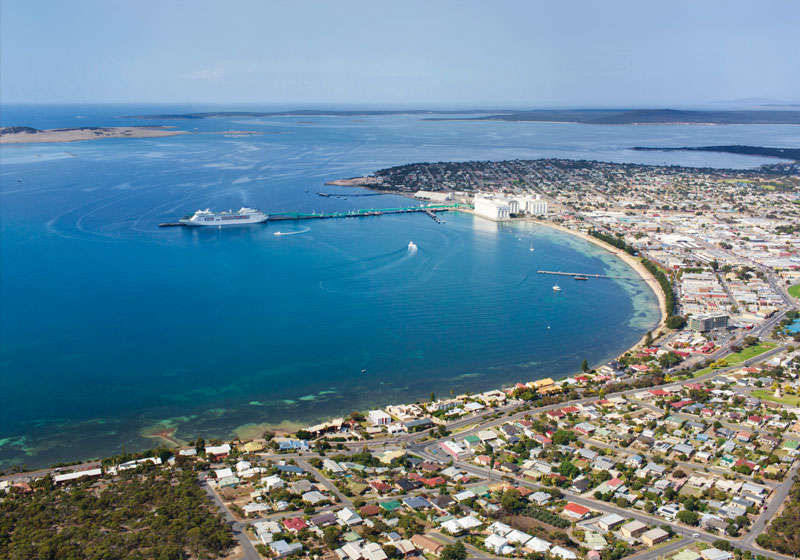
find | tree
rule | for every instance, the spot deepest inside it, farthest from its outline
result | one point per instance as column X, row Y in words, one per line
column 330, row 535
column 433, row 396
column 511, row 501
column 648, row 339
column 563, row 437
column 688, row 517
column 585, row 365
column 455, row 551
column 675, row 322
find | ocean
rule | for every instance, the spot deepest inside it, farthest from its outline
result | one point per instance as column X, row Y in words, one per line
column 112, row 329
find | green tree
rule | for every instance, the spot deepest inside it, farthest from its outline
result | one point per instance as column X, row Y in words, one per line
column 455, row 551
column 676, row 322
column 585, row 365
column 688, row 517
column 511, row 501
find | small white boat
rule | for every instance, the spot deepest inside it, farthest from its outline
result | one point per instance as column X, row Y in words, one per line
column 278, row 233
column 556, row 288
column 412, row 247
column 531, row 249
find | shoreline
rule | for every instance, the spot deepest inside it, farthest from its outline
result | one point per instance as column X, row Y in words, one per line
column 284, row 427
column 631, row 261
column 172, row 435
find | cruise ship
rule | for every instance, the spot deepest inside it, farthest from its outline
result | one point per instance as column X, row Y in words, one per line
column 206, row 217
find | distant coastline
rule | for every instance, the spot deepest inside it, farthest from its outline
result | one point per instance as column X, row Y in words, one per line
column 783, row 153
column 582, row 116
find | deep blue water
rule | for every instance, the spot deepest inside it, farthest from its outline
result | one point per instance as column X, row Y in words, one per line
column 110, row 325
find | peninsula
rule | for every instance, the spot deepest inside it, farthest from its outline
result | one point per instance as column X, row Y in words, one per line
column 28, row 135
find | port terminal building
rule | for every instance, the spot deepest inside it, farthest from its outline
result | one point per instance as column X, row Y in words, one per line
column 496, row 206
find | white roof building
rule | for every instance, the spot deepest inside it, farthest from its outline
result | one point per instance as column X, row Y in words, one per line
column 564, row 553
column 498, row 544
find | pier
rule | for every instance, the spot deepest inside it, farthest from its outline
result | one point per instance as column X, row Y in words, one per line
column 434, row 217
column 364, row 212
column 430, row 210
column 580, row 274
column 347, row 195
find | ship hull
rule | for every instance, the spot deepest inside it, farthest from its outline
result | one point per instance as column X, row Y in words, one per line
column 223, row 223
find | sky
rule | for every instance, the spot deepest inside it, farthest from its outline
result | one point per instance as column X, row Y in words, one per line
column 411, row 54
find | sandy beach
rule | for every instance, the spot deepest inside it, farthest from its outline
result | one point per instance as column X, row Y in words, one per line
column 26, row 135
column 634, row 263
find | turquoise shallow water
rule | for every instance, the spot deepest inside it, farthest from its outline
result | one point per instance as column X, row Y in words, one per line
column 111, row 325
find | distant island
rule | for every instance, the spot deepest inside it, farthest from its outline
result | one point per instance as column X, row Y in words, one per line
column 583, row 116
column 312, row 113
column 785, row 153
column 28, row 135
column 647, row 116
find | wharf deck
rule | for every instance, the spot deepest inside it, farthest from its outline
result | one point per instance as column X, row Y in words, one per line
column 430, row 210
column 559, row 273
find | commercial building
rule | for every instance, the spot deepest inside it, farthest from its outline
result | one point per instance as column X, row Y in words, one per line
column 610, row 522
column 708, row 323
column 654, row 536
column 633, row 529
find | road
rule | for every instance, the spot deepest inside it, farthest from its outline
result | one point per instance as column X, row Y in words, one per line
column 249, row 550
column 627, row 513
column 661, row 552
column 779, row 496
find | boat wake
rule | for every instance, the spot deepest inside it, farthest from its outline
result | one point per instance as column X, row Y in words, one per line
column 304, row 230
column 389, row 272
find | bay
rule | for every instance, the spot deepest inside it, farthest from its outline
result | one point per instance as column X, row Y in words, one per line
column 112, row 328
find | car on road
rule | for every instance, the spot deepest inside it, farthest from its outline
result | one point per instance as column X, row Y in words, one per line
column 695, row 535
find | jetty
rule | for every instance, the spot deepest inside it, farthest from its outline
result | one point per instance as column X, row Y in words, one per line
column 347, row 195
column 581, row 274
column 431, row 210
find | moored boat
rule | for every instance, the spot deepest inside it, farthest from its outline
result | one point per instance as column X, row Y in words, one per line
column 244, row 216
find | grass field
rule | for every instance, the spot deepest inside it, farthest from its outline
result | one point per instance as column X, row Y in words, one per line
column 749, row 352
column 702, row 372
column 791, row 400
column 794, row 291
column 739, row 357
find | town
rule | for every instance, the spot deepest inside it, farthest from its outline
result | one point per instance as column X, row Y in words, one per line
column 686, row 447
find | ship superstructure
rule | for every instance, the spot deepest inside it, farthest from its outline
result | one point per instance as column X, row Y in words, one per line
column 206, row 217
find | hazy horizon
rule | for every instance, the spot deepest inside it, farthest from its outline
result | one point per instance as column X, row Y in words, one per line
column 448, row 54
